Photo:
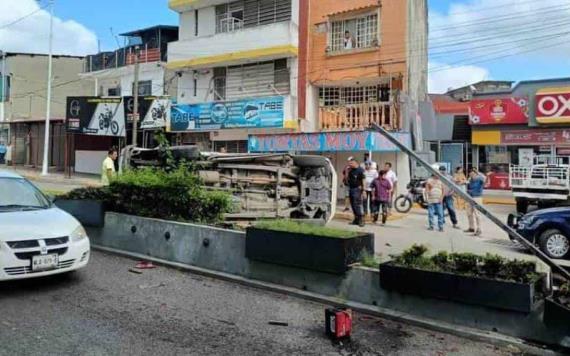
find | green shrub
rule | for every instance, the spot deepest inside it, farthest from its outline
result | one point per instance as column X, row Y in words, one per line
column 370, row 260
column 304, row 228
column 174, row 195
column 489, row 266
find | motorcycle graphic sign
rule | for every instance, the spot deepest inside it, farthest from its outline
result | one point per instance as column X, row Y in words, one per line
column 95, row 116
column 154, row 111
column 248, row 113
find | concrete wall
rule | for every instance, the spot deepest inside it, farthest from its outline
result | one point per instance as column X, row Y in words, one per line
column 125, row 77
column 224, row 251
column 28, row 76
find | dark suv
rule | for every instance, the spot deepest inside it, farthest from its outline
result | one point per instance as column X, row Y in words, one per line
column 548, row 228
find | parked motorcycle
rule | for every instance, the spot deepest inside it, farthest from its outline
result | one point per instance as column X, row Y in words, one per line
column 416, row 194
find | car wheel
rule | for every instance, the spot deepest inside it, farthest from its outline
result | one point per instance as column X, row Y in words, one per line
column 554, row 243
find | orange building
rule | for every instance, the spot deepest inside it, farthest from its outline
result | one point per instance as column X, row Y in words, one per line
column 358, row 60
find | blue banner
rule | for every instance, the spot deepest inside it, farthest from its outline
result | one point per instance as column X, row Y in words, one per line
column 249, row 113
column 326, row 142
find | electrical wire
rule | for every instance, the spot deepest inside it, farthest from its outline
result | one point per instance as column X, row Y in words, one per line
column 22, row 18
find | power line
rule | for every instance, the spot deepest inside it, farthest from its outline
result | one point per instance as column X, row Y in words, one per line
column 22, row 18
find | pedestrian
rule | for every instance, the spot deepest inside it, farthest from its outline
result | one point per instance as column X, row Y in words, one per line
column 434, row 193
column 3, row 150
column 368, row 160
column 348, row 40
column 355, row 181
column 475, row 186
column 448, row 199
column 461, row 180
column 393, row 178
column 381, row 193
column 108, row 171
column 345, row 188
column 370, row 173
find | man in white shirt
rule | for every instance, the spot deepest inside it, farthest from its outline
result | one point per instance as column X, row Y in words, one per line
column 348, row 40
column 391, row 176
column 108, row 167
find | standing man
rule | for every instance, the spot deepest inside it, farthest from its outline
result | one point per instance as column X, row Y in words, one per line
column 108, row 168
column 381, row 189
column 434, row 188
column 391, row 176
column 355, row 180
column 368, row 160
column 475, row 186
column 370, row 173
column 448, row 199
column 345, row 188
column 3, row 150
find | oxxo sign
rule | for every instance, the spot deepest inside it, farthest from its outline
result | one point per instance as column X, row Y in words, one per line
column 553, row 106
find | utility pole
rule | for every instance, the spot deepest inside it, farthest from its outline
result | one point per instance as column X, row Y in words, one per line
column 4, row 82
column 136, row 97
column 48, row 98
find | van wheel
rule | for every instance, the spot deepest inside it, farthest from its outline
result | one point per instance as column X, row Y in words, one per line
column 522, row 206
column 554, row 243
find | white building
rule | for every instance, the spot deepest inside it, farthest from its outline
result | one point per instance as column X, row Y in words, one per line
column 240, row 52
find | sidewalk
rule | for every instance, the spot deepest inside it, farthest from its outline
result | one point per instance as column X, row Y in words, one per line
column 55, row 182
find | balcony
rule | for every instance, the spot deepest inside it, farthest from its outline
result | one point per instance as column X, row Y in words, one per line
column 235, row 45
column 123, row 57
column 360, row 116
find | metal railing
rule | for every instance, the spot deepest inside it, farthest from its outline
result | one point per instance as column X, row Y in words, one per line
column 230, row 24
column 123, row 57
column 359, row 116
column 540, row 177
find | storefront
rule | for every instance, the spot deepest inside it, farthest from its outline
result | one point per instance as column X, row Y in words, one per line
column 338, row 147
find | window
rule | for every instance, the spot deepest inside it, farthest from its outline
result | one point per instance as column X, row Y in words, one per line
column 145, row 88
column 114, row 91
column 231, row 146
column 219, row 84
column 335, row 96
column 361, row 32
column 229, row 17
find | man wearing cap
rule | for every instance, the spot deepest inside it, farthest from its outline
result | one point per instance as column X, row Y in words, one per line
column 475, row 186
column 448, row 199
column 355, row 181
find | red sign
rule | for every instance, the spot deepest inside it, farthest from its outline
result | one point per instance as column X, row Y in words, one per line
column 498, row 181
column 505, row 111
column 553, row 106
column 535, row 137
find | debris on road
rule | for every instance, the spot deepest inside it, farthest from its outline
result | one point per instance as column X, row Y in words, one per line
column 132, row 270
column 278, row 323
column 149, row 286
column 145, row 265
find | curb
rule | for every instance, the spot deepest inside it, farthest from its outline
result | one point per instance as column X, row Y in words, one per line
column 464, row 332
column 498, row 201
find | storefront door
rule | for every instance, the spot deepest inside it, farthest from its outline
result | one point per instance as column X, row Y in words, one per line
column 452, row 153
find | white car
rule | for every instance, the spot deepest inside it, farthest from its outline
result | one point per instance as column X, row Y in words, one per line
column 36, row 238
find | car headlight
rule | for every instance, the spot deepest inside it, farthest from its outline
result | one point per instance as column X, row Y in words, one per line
column 525, row 221
column 78, row 234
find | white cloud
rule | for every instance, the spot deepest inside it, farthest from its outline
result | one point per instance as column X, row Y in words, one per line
column 31, row 34
column 440, row 81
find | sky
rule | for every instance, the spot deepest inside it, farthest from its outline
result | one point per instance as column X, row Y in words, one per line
column 470, row 40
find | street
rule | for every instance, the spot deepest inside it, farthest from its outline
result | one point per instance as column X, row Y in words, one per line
column 107, row 310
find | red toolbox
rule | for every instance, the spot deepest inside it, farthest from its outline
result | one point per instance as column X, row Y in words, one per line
column 338, row 323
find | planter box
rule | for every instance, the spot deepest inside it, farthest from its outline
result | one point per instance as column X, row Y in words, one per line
column 317, row 253
column 88, row 212
column 556, row 315
column 464, row 289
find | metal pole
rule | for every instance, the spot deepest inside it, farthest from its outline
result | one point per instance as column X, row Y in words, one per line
column 136, row 98
column 4, row 82
column 48, row 99
column 510, row 231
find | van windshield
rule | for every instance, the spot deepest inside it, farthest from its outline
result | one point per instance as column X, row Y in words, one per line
column 19, row 194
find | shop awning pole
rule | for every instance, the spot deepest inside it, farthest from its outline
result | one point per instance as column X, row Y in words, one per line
column 510, row 231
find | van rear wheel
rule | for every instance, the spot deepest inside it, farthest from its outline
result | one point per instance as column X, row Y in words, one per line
column 522, row 206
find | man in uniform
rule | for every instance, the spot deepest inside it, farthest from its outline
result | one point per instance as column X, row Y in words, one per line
column 355, row 180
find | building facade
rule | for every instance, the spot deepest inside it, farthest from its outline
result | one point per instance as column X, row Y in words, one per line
column 112, row 74
column 237, row 63
column 24, row 106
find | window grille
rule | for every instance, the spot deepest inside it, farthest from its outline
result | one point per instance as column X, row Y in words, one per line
column 361, row 32
column 336, row 96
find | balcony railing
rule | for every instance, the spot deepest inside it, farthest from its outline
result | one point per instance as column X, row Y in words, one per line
column 123, row 57
column 360, row 116
column 230, row 24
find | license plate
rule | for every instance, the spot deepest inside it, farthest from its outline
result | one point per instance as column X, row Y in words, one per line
column 44, row 262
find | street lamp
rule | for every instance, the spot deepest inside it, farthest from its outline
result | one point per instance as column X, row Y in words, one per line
column 48, row 98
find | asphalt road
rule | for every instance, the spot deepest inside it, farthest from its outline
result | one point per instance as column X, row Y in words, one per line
column 107, row 310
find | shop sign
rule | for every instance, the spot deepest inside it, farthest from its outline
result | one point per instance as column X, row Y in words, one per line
column 153, row 111
column 535, row 137
column 250, row 113
column 326, row 142
column 553, row 106
column 95, row 116
column 498, row 111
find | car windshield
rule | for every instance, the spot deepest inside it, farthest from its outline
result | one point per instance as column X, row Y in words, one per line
column 19, row 194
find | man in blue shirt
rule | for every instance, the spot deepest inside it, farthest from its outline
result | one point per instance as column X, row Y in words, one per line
column 475, row 186
column 3, row 150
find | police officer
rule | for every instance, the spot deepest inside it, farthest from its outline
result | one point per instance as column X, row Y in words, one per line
column 355, row 180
